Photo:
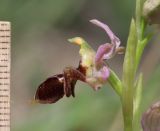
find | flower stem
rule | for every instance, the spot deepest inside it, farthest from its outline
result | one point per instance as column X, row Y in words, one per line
column 128, row 78
column 115, row 83
column 141, row 43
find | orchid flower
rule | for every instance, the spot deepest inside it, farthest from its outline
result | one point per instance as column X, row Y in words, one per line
column 97, row 72
column 91, row 70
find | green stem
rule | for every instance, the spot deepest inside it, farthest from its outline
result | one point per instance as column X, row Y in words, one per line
column 128, row 78
column 115, row 83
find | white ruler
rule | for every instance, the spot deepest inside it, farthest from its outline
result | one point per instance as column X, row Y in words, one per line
column 5, row 60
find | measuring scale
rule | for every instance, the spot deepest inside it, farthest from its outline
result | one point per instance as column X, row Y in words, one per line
column 5, row 60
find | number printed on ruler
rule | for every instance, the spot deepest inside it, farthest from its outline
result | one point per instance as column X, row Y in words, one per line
column 5, row 40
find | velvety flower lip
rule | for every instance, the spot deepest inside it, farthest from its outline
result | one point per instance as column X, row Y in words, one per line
column 107, row 50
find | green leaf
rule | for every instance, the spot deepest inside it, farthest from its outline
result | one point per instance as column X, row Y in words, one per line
column 140, row 48
column 137, row 102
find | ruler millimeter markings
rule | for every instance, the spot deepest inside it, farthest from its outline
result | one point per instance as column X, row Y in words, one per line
column 5, row 60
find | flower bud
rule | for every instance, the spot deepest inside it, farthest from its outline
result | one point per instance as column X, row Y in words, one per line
column 151, row 118
column 151, row 11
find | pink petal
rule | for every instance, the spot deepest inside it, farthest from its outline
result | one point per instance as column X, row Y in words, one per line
column 110, row 54
column 112, row 36
column 105, row 73
column 102, row 50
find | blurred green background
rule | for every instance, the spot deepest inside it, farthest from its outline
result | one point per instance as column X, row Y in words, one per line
column 40, row 29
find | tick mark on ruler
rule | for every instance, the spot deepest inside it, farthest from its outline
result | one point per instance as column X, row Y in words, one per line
column 4, row 42
column 4, row 77
column 4, row 72
column 4, row 101
column 4, row 125
column 5, row 36
column 4, row 113
column 4, row 54
column 4, row 48
column 4, row 60
column 3, row 65
column 4, row 84
column 4, row 119
column 4, row 24
column 4, row 107
column 4, row 89
column 4, row 96
column 4, row 30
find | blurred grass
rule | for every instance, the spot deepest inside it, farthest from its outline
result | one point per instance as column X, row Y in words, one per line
column 40, row 30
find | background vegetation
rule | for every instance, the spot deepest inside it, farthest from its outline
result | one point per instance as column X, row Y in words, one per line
column 40, row 30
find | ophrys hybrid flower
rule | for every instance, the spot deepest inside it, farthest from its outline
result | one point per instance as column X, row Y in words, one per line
column 91, row 70
column 97, row 72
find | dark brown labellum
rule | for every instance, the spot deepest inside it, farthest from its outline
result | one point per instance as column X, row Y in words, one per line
column 50, row 90
column 54, row 88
